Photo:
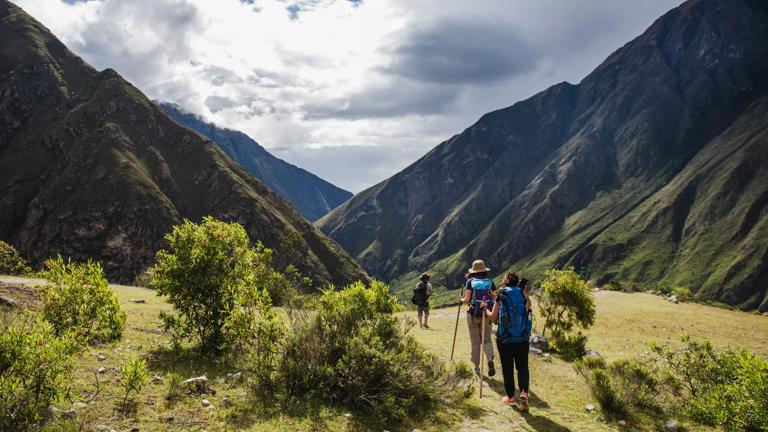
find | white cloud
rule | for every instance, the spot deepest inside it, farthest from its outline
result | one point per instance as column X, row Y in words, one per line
column 351, row 90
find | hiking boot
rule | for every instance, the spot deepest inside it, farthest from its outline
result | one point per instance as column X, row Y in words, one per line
column 426, row 326
column 491, row 369
column 509, row 400
column 522, row 401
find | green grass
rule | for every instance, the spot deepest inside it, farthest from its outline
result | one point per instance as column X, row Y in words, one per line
column 626, row 323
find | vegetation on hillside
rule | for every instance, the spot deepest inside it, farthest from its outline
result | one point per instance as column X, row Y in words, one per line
column 11, row 263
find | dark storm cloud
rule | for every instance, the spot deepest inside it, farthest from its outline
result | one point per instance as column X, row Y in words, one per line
column 471, row 51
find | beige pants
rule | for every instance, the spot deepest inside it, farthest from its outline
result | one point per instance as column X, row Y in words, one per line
column 474, row 324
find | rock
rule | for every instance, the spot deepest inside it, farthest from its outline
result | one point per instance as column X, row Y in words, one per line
column 589, row 408
column 157, row 379
column 622, row 423
column 535, row 351
column 101, row 370
column 592, row 353
column 53, row 410
column 226, row 402
column 547, row 357
column 236, row 376
column 169, row 419
column 539, row 341
column 79, row 405
column 139, row 301
column 673, row 298
column 134, row 429
column 206, row 402
column 347, row 416
column 69, row 414
column 100, row 357
column 197, row 385
column 671, row 425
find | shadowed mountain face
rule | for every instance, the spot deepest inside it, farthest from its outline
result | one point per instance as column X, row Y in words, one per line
column 653, row 169
column 89, row 167
column 312, row 196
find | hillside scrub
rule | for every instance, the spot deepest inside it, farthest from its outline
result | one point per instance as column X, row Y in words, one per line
column 213, row 279
column 354, row 352
column 11, row 263
column 79, row 300
column 35, row 370
column 566, row 306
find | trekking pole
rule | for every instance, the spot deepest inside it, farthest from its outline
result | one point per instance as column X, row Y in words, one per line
column 455, row 329
column 482, row 350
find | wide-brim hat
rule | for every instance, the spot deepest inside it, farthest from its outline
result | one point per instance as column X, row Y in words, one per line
column 478, row 266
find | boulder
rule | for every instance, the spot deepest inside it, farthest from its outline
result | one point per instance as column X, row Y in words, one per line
column 206, row 402
column 538, row 341
column 535, row 351
column 673, row 299
column 592, row 353
column 198, row 385
column 589, row 408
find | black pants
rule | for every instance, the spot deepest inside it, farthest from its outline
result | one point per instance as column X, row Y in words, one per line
column 514, row 355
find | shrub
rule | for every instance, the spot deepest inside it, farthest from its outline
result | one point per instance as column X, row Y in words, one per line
column 133, row 376
column 727, row 389
column 354, row 352
column 11, row 263
column 683, row 294
column 209, row 275
column 570, row 346
column 623, row 388
column 174, row 389
column 566, row 305
column 35, row 368
column 78, row 299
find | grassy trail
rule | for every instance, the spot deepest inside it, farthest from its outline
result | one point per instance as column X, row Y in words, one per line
column 625, row 324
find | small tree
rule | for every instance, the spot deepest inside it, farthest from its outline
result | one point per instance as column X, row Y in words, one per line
column 11, row 263
column 210, row 274
column 79, row 300
column 566, row 305
column 133, row 376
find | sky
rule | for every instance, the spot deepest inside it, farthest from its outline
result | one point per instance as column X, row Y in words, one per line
column 353, row 91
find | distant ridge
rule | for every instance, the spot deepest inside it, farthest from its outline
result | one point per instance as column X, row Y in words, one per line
column 91, row 168
column 652, row 170
column 312, row 196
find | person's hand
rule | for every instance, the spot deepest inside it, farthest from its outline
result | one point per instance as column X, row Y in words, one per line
column 483, row 304
column 461, row 299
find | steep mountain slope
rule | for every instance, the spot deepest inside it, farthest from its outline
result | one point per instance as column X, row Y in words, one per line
column 564, row 176
column 89, row 167
column 312, row 196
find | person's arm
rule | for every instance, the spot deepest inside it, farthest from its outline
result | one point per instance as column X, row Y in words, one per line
column 429, row 289
column 493, row 290
column 528, row 303
column 493, row 315
column 467, row 296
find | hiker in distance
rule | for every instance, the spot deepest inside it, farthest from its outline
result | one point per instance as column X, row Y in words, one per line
column 479, row 288
column 421, row 295
column 512, row 313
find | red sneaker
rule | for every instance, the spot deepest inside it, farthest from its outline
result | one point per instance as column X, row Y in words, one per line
column 509, row 400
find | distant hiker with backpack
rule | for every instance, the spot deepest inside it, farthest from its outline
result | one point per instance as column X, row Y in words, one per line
column 512, row 312
column 479, row 289
column 421, row 295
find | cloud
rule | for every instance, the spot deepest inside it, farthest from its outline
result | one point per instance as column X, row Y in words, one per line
column 462, row 51
column 351, row 90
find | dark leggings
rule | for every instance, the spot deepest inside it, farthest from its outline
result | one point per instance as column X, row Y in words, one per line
column 511, row 355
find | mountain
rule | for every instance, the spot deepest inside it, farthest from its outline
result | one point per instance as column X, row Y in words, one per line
column 89, row 167
column 312, row 196
column 652, row 170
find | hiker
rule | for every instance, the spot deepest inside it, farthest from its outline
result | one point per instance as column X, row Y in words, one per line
column 421, row 295
column 512, row 313
column 478, row 289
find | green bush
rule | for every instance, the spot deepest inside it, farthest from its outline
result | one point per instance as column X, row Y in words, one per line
column 78, row 299
column 569, row 346
column 174, row 388
column 623, row 388
column 211, row 275
column 133, row 376
column 727, row 389
column 683, row 294
column 356, row 353
column 35, row 369
column 11, row 263
column 566, row 305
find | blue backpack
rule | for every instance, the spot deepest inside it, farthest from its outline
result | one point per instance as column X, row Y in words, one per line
column 481, row 292
column 514, row 323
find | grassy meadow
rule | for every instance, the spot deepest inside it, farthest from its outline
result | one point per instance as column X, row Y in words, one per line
column 625, row 324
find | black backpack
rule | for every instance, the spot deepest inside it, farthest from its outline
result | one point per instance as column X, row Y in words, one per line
column 419, row 294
